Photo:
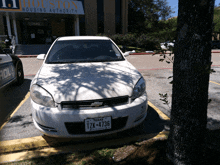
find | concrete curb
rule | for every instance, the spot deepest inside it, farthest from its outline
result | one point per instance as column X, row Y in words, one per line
column 143, row 53
column 24, row 146
column 26, row 56
column 17, row 145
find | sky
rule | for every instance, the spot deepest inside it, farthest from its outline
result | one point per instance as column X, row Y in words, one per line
column 174, row 6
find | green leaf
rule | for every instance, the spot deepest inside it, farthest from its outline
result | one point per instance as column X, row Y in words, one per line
column 171, row 82
column 168, row 62
column 169, row 77
column 161, row 60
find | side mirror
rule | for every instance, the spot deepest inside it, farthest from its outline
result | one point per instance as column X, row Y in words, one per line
column 126, row 54
column 40, row 56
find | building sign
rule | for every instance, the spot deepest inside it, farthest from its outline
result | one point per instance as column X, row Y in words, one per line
column 42, row 6
column 10, row 5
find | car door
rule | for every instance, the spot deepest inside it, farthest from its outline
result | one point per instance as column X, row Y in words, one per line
column 7, row 70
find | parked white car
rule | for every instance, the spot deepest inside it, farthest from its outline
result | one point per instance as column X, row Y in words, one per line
column 85, row 87
column 166, row 45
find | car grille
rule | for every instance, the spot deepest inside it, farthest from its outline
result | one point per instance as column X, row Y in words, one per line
column 108, row 102
column 79, row 128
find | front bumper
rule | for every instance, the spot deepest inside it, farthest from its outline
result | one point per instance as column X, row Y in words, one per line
column 70, row 123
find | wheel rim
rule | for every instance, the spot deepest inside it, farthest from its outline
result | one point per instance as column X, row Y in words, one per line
column 19, row 72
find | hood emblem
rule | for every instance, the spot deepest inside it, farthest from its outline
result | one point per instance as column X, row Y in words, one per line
column 97, row 104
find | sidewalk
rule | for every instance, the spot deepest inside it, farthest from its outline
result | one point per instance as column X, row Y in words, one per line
column 31, row 65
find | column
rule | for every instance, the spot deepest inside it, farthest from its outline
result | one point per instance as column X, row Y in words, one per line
column 8, row 24
column 124, row 16
column 109, row 17
column 15, row 31
column 77, row 32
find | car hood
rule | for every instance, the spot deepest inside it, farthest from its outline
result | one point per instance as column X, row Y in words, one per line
column 87, row 81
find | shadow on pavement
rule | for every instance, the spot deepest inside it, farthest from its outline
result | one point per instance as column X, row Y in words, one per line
column 10, row 98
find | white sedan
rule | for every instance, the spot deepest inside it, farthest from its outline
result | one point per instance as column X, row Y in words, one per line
column 85, row 87
column 167, row 45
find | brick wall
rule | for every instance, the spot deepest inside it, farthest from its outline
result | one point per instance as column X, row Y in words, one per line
column 91, row 16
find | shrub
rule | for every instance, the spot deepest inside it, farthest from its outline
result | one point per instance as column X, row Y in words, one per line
column 2, row 45
column 147, row 42
column 130, row 39
column 117, row 38
column 143, row 41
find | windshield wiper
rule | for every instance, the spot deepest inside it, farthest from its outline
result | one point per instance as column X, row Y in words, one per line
column 86, row 60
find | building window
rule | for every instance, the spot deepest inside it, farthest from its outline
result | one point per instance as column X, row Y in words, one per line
column 82, row 25
column 100, row 16
column 118, row 20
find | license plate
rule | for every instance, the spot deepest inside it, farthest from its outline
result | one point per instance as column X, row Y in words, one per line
column 97, row 124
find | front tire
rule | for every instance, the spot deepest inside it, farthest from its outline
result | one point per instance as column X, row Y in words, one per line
column 19, row 74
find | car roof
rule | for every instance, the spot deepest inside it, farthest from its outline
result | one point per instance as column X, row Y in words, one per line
column 82, row 38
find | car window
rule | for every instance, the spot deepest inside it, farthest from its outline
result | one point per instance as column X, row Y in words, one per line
column 83, row 51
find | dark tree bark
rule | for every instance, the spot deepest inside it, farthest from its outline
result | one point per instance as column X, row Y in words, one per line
column 191, row 70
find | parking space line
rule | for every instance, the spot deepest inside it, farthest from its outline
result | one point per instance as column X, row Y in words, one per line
column 13, row 112
column 165, row 117
column 23, row 144
column 214, row 82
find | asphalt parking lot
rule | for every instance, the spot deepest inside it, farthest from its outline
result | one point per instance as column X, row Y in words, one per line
column 16, row 99
column 20, row 125
column 154, row 72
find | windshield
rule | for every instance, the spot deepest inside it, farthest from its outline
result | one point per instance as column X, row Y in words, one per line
column 72, row 51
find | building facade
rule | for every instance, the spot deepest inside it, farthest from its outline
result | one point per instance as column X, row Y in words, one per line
column 41, row 21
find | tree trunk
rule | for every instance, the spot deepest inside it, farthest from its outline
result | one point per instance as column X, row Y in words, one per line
column 191, row 70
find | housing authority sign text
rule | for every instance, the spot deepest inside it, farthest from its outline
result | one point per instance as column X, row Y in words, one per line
column 42, row 6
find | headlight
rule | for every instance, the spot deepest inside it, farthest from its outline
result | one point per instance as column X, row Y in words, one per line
column 41, row 96
column 139, row 89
